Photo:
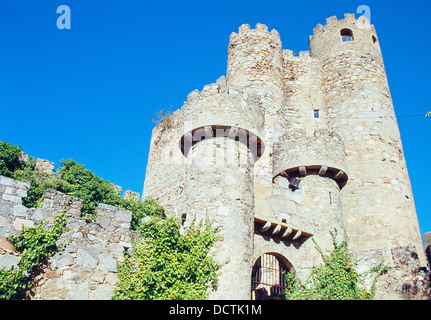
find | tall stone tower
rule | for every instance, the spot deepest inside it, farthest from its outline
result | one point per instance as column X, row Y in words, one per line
column 378, row 198
column 286, row 148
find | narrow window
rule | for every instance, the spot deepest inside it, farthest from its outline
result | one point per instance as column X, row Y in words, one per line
column 316, row 114
column 374, row 39
column 346, row 35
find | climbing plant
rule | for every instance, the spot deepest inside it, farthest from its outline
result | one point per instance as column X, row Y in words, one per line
column 34, row 245
column 9, row 159
column 168, row 265
column 335, row 279
column 71, row 178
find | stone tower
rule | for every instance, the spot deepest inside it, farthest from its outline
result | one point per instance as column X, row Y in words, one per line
column 286, row 148
column 378, row 197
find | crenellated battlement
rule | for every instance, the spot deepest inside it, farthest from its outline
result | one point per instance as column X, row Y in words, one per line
column 347, row 33
column 349, row 20
column 329, row 154
column 260, row 30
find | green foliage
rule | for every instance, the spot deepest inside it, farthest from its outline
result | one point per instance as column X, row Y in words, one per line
column 140, row 210
column 39, row 183
column 74, row 179
column 334, row 279
column 87, row 186
column 35, row 245
column 9, row 159
column 167, row 265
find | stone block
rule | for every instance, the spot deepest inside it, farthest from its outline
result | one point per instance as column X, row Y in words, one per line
column 13, row 199
column 6, row 181
column 20, row 211
column 85, row 259
column 103, row 292
column 19, row 223
column 79, row 291
column 8, row 261
column 62, row 259
column 107, row 263
column 44, row 166
column 5, row 245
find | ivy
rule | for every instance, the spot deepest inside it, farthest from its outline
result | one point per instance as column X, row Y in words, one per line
column 74, row 179
column 168, row 265
column 334, row 279
column 35, row 245
column 9, row 159
column 93, row 190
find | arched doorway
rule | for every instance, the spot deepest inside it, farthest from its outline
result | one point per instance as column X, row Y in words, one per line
column 268, row 279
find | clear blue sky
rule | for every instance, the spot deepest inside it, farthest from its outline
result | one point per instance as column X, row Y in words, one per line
column 89, row 93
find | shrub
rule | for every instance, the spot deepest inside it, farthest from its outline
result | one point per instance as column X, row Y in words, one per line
column 165, row 120
column 334, row 279
column 87, row 186
column 35, row 245
column 167, row 265
column 9, row 159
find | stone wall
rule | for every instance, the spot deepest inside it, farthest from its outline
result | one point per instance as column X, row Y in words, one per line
column 86, row 265
column 427, row 246
column 406, row 278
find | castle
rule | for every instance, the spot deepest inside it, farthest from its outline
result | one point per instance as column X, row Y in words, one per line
column 285, row 148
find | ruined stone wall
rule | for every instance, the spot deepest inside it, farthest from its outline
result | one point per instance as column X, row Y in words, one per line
column 85, row 267
column 406, row 278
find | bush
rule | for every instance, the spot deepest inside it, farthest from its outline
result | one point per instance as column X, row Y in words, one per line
column 334, row 279
column 74, row 179
column 87, row 186
column 165, row 120
column 35, row 245
column 167, row 265
column 9, row 159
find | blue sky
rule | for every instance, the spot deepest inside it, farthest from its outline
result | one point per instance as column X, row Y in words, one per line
column 89, row 93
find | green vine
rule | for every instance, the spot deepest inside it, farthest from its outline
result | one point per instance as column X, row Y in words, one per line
column 74, row 179
column 168, row 265
column 35, row 245
column 335, row 279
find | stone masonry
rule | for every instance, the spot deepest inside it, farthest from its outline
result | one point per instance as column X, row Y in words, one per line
column 85, row 267
column 287, row 147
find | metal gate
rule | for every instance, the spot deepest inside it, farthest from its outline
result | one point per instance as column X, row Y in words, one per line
column 268, row 280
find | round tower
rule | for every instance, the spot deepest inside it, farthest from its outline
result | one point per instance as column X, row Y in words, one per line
column 255, row 63
column 315, row 166
column 377, row 201
column 221, row 142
